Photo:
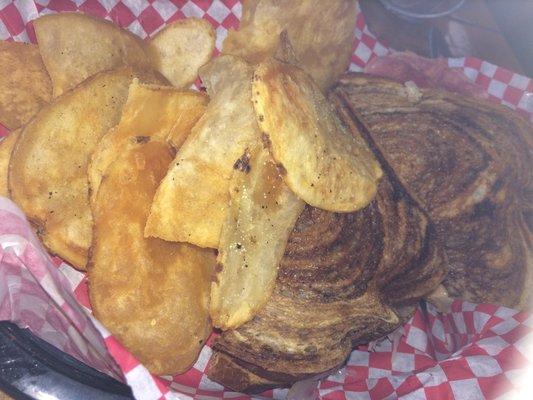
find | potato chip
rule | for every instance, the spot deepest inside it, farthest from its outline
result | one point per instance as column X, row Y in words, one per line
column 181, row 48
column 191, row 202
column 48, row 168
column 24, row 83
column 162, row 112
column 261, row 215
column 151, row 294
column 285, row 51
column 261, row 23
column 75, row 46
column 6, row 147
column 321, row 33
column 325, row 165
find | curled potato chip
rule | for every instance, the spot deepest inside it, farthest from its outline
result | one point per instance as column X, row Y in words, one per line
column 48, row 167
column 75, row 46
column 161, row 112
column 321, row 33
column 259, row 220
column 261, row 24
column 151, row 294
column 24, row 83
column 6, row 147
column 325, row 165
column 181, row 48
column 190, row 204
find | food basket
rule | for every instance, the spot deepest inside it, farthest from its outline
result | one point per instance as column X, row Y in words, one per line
column 473, row 351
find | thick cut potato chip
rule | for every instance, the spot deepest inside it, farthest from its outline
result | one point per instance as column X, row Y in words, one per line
column 181, row 48
column 191, row 202
column 48, row 167
column 285, row 51
column 260, row 218
column 321, row 33
column 325, row 165
column 24, row 83
column 151, row 294
column 6, row 147
column 161, row 112
column 76, row 46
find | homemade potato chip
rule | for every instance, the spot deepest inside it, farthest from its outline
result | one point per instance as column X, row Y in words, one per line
column 190, row 204
column 285, row 52
column 6, row 147
column 161, row 112
column 75, row 46
column 181, row 48
column 321, row 33
column 261, row 215
column 261, row 23
column 24, row 83
column 325, row 165
column 48, row 168
column 151, row 294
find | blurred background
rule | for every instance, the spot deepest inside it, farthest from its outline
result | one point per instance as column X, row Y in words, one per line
column 498, row 31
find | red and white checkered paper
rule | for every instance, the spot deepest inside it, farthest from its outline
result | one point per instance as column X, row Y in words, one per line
column 471, row 352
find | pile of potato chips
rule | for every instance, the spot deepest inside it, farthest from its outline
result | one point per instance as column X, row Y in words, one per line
column 126, row 173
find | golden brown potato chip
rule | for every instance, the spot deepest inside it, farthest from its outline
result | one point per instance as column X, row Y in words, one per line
column 24, row 83
column 181, row 48
column 6, row 147
column 325, row 165
column 151, row 294
column 48, row 168
column 162, row 112
column 321, row 33
column 259, row 220
column 75, row 46
column 190, row 204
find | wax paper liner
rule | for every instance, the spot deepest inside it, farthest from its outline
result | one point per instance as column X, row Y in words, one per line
column 473, row 351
